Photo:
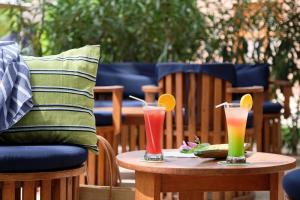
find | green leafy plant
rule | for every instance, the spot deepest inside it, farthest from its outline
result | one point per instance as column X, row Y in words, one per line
column 261, row 32
column 128, row 30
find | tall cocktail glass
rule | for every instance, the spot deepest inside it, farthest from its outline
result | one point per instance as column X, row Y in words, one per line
column 154, row 122
column 236, row 119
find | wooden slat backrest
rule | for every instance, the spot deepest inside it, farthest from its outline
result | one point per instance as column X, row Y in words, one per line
column 169, row 119
column 195, row 114
column 179, row 102
column 204, row 102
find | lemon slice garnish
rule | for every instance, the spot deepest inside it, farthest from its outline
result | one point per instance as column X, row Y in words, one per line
column 246, row 101
column 168, row 101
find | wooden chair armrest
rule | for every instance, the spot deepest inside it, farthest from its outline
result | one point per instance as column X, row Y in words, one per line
column 258, row 98
column 108, row 89
column 286, row 88
column 150, row 91
column 240, row 90
column 117, row 98
column 281, row 83
column 150, row 88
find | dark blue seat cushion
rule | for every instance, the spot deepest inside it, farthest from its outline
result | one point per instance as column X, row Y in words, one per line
column 291, row 184
column 130, row 75
column 270, row 107
column 250, row 116
column 252, row 75
column 125, row 103
column 225, row 71
column 103, row 118
column 250, row 120
column 40, row 158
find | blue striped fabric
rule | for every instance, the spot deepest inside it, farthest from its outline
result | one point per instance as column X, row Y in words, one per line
column 15, row 89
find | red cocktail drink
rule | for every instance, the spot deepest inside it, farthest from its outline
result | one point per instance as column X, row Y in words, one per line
column 154, row 123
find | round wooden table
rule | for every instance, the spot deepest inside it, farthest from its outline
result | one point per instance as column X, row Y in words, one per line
column 192, row 176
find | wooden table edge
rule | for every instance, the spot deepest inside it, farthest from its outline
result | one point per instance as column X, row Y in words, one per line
column 216, row 172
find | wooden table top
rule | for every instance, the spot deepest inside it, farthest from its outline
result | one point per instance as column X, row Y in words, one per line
column 259, row 163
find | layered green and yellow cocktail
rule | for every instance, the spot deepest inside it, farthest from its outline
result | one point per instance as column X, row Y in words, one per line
column 236, row 119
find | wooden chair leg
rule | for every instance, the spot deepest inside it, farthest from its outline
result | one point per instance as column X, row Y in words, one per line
column 124, row 138
column 272, row 134
column 109, row 136
column 266, row 134
column 278, row 136
column 91, row 169
column 100, row 164
column 115, row 143
column 132, row 146
column 142, row 137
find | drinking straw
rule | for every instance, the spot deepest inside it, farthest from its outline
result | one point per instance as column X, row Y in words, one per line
column 221, row 104
column 138, row 99
column 153, row 143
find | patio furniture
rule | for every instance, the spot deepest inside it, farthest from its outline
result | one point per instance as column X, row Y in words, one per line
column 115, row 190
column 52, row 169
column 122, row 115
column 197, row 89
column 258, row 75
column 291, row 184
column 132, row 76
column 192, row 176
column 108, row 125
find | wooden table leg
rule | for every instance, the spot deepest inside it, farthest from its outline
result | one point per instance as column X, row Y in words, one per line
column 276, row 191
column 147, row 185
column 191, row 195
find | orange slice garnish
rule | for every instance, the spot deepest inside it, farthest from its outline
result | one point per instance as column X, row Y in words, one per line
column 246, row 102
column 168, row 101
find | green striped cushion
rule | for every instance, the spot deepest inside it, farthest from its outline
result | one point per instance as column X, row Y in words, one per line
column 63, row 100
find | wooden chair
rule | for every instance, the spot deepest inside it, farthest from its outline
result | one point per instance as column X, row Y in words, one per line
column 23, row 172
column 131, row 76
column 272, row 141
column 58, row 185
column 258, row 74
column 196, row 95
column 115, row 190
column 108, row 125
column 127, row 114
column 254, row 131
